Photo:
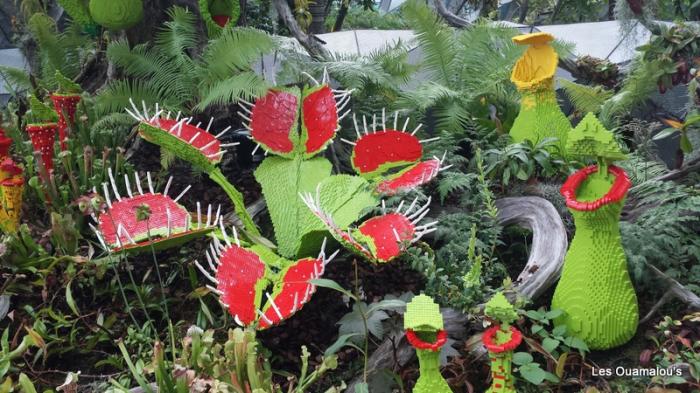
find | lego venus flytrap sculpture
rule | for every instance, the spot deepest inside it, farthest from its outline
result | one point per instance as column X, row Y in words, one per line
column 540, row 116
column 595, row 289
column 296, row 124
column 500, row 340
column 141, row 220
column 241, row 275
column 425, row 332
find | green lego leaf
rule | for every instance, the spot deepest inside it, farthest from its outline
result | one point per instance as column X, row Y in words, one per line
column 65, row 85
column 344, row 197
column 422, row 314
column 590, row 139
column 282, row 181
column 500, row 309
column 40, row 112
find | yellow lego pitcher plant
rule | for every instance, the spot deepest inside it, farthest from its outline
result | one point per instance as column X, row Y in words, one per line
column 533, row 75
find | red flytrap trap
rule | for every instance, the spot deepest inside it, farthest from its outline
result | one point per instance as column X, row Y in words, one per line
column 242, row 275
column 148, row 219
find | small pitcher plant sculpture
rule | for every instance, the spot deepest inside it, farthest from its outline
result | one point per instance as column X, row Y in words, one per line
column 540, row 116
column 500, row 340
column 595, row 289
column 424, row 330
column 42, row 132
column 65, row 102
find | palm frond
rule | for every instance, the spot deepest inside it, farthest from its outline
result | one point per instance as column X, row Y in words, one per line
column 244, row 85
column 115, row 97
column 178, row 35
column 15, row 78
column 637, row 86
column 234, row 50
column 436, row 40
column 585, row 98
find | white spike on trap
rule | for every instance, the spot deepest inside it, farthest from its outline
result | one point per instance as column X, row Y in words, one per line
column 422, row 209
column 398, row 208
column 296, row 302
column 150, row 183
column 255, row 149
column 225, row 130
column 199, row 215
column 205, row 272
column 211, row 120
column 405, row 124
column 396, row 119
column 238, row 320
column 132, row 114
column 357, row 129
column 120, row 229
column 246, row 118
column 183, row 193
column 140, row 116
column 106, row 192
column 177, row 118
column 208, row 217
column 348, row 142
column 384, row 119
column 99, row 237
column 245, row 108
column 230, row 144
column 167, row 186
column 114, row 184
column 145, row 110
column 223, row 232
column 210, row 261
column 194, row 137
column 429, row 139
column 310, row 77
column 217, row 216
column 274, row 306
column 416, row 129
column 264, row 318
column 396, row 235
column 216, row 291
column 128, row 186
column 138, row 183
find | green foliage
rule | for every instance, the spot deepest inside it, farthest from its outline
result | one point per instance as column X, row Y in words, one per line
column 236, row 365
column 661, row 229
column 40, row 113
column 362, row 18
column 210, row 8
column 585, row 98
column 590, row 139
column 58, row 51
column 675, row 343
column 525, row 160
column 468, row 70
column 168, row 73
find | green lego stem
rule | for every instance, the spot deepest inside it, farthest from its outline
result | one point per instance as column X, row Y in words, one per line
column 430, row 379
column 237, row 200
column 501, row 372
column 595, row 290
column 540, row 117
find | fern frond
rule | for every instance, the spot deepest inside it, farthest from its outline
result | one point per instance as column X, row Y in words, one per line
column 244, row 85
column 436, row 40
column 636, row 88
column 234, row 50
column 115, row 97
column 454, row 181
column 177, row 35
column 15, row 78
column 585, row 98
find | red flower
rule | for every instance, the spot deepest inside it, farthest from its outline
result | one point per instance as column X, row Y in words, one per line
column 416, row 341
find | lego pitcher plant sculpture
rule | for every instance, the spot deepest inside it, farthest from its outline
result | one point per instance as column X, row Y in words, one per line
column 424, row 331
column 500, row 340
column 540, row 116
column 595, row 289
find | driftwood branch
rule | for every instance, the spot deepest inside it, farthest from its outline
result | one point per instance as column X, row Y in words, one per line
column 674, row 290
column 549, row 243
column 451, row 19
column 312, row 44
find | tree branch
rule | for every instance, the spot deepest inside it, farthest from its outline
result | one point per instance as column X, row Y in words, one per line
column 451, row 19
column 312, row 44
